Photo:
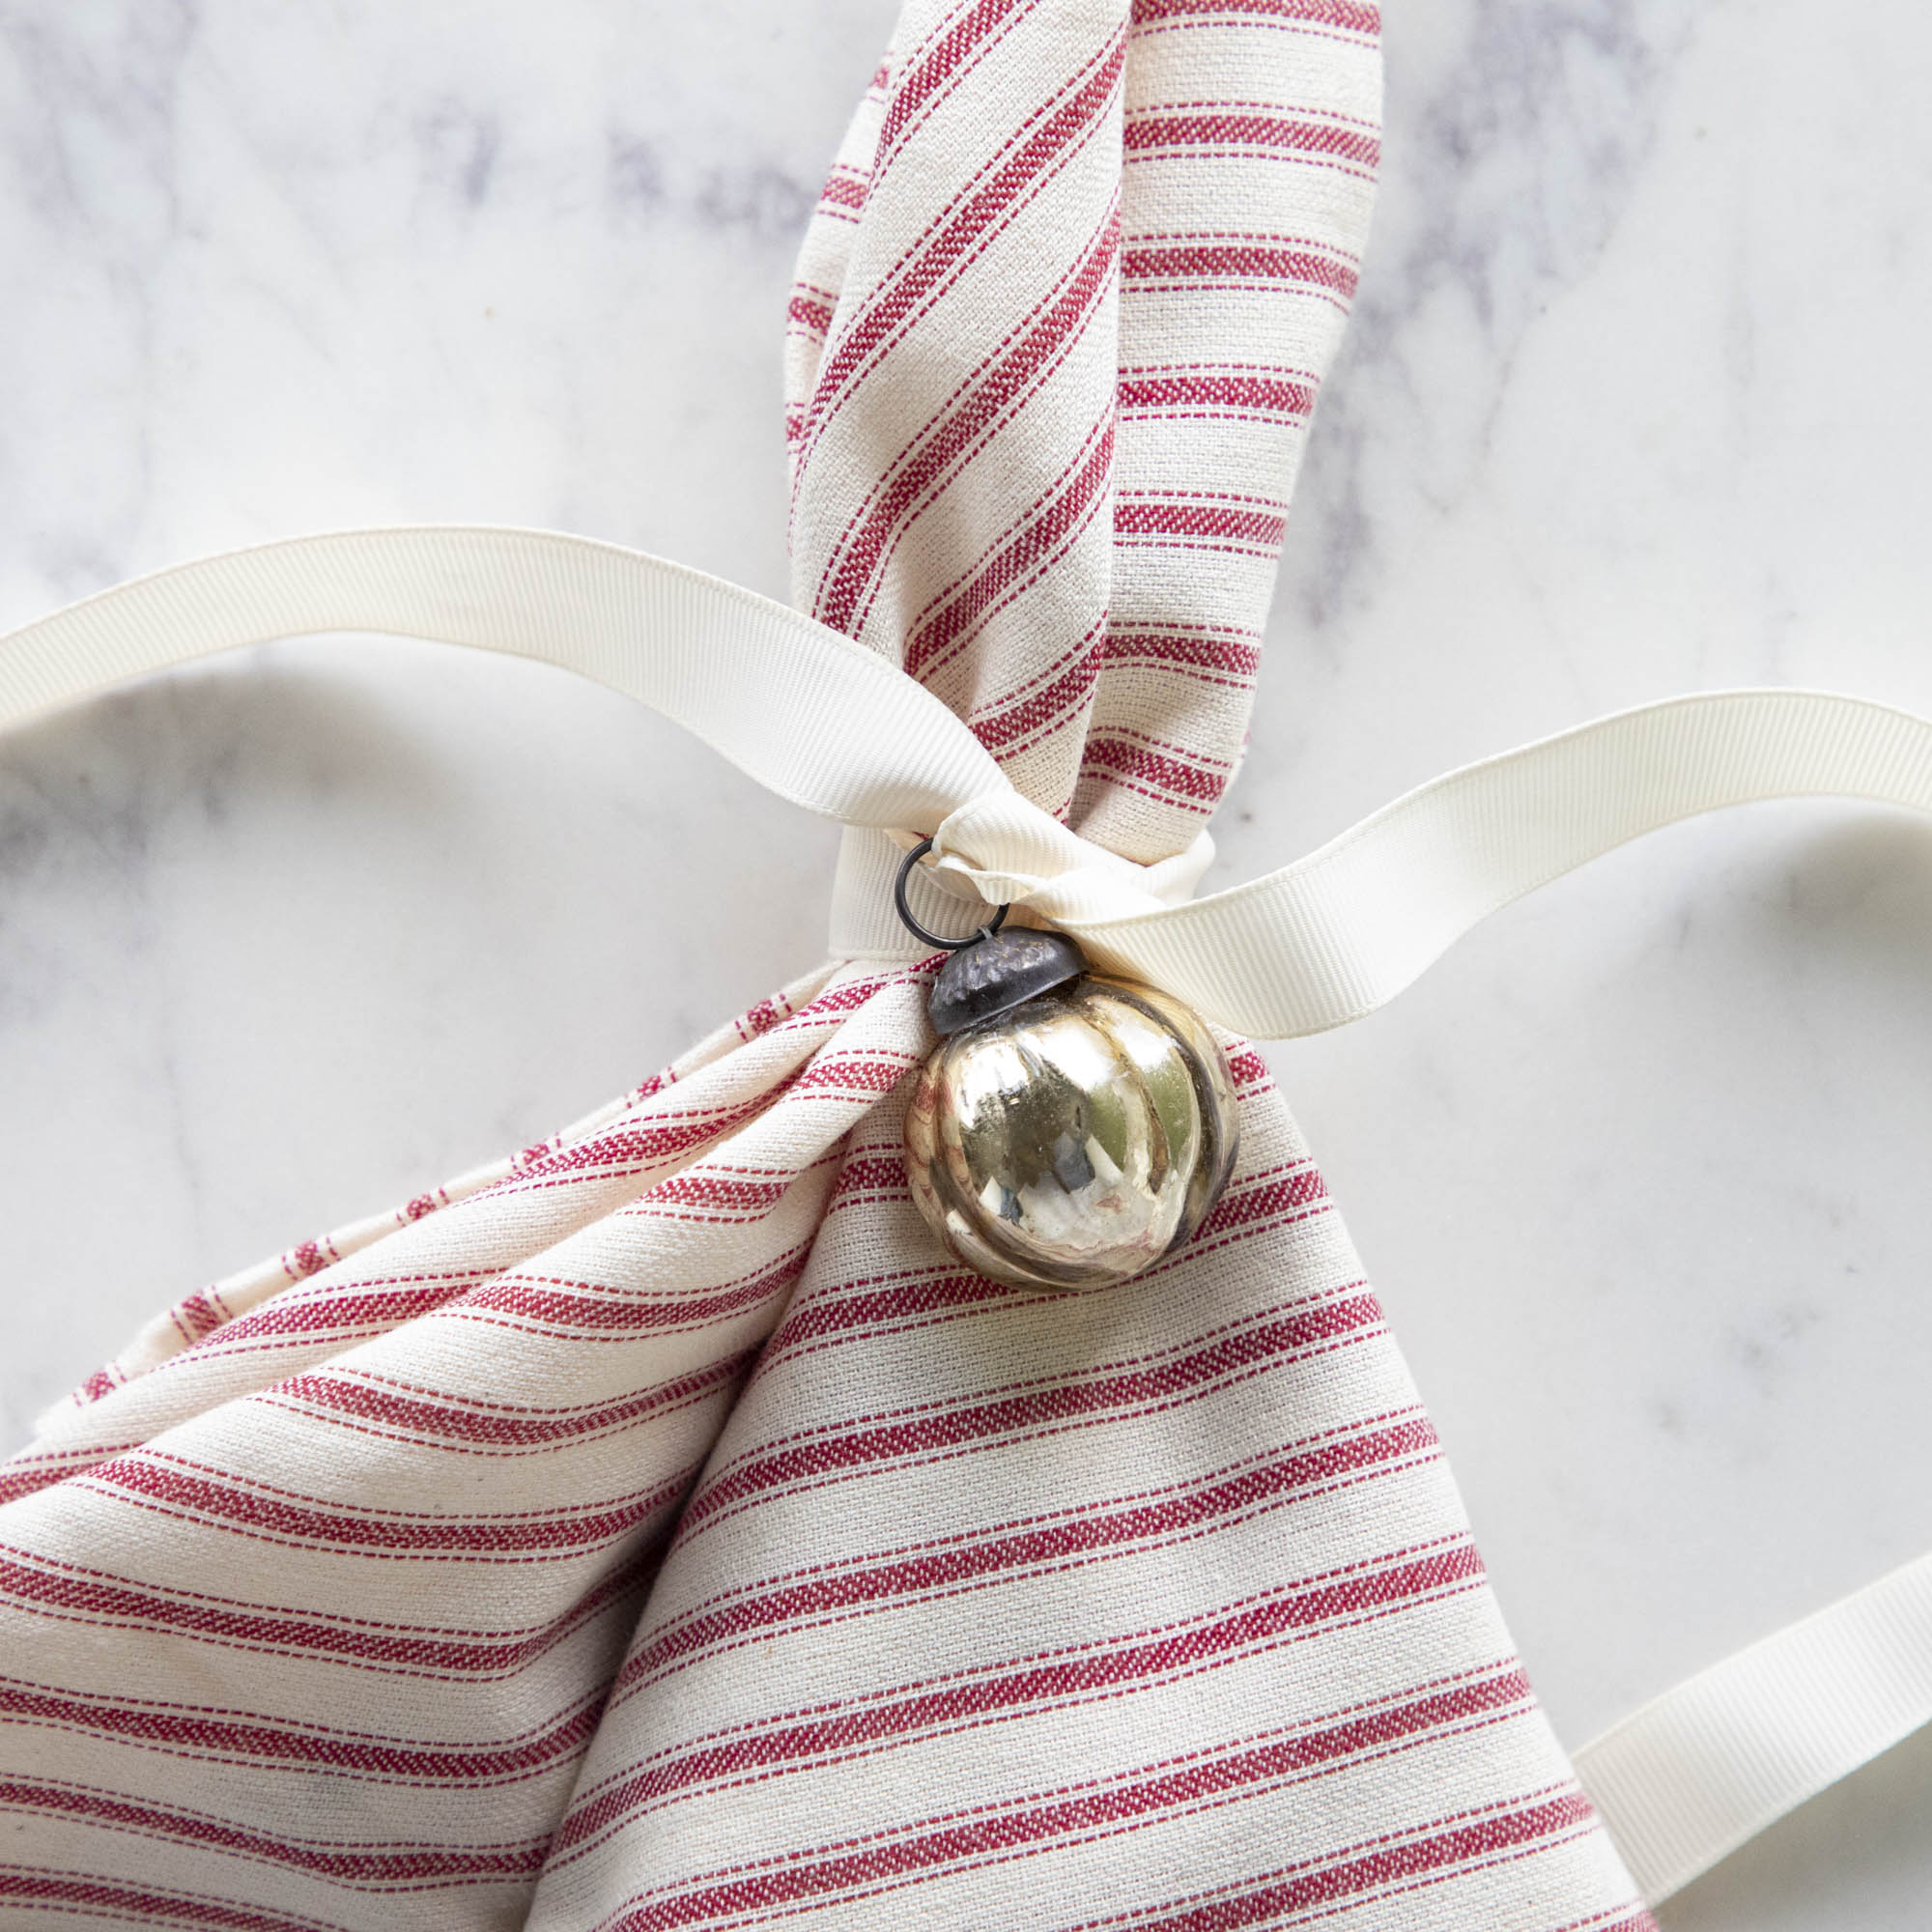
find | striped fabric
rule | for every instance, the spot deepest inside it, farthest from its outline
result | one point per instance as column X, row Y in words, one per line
column 1057, row 334
column 656, row 1529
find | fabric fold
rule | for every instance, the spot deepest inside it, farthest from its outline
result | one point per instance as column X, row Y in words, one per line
column 334, row 1588
column 1011, row 1608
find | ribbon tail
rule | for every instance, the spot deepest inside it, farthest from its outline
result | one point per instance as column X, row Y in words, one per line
column 820, row 721
column 1339, row 932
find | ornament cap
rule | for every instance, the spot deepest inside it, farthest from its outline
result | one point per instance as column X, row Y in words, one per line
column 1004, row 970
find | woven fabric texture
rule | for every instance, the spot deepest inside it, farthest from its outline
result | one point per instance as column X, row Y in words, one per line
column 656, row 1529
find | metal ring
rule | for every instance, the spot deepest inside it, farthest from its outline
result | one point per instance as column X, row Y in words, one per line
column 913, row 925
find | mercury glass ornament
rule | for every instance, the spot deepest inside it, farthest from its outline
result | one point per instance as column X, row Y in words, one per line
column 1070, row 1128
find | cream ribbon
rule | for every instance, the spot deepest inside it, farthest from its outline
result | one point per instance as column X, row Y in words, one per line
column 836, row 729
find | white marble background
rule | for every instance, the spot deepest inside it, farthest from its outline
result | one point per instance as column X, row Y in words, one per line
column 1637, row 401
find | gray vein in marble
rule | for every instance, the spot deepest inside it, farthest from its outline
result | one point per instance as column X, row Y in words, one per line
column 1525, row 129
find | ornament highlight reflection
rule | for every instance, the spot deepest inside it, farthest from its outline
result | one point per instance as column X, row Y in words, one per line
column 1074, row 1140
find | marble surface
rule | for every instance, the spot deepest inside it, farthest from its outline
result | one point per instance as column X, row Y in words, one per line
column 1634, row 403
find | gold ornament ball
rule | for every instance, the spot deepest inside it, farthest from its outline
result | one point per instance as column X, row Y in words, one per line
column 1074, row 1139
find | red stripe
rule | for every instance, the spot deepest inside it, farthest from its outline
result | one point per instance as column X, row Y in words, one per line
column 882, row 1306
column 1172, row 777
column 1010, row 729
column 1170, row 1651
column 637, row 1146
column 1040, row 541
column 973, row 1561
column 558, row 1307
column 424, row 1416
column 1254, row 1348
column 259, row 1739
column 844, row 190
column 1223, row 259
column 173, row 1487
column 928, row 75
column 34, row 1469
column 580, row 1310
column 1230, row 660
column 816, row 316
column 1284, row 1756
column 359, row 1866
column 882, row 1173
column 1258, row 395
column 856, row 1311
column 69, row 1892
column 724, row 1194
column 197, row 1315
column 1298, row 1187
column 998, row 390
column 1148, row 132
column 1347, row 14
column 954, row 240
column 98, row 1598
column 855, row 1073
column 671, row 1135
column 309, row 1258
column 1222, row 522
column 1379, row 1864
column 830, row 1869
column 367, row 1307
column 375, row 1305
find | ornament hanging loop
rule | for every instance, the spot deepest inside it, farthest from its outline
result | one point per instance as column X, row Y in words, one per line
column 913, row 925
column 1069, row 1129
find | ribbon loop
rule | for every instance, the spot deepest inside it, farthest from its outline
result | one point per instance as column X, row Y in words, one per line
column 1011, row 852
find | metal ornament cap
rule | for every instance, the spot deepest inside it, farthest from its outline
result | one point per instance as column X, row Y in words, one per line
column 1000, row 972
column 1074, row 1138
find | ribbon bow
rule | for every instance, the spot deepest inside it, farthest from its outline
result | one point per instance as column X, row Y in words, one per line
column 833, row 726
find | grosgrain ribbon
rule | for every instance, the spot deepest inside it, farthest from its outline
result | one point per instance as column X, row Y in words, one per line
column 833, row 726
